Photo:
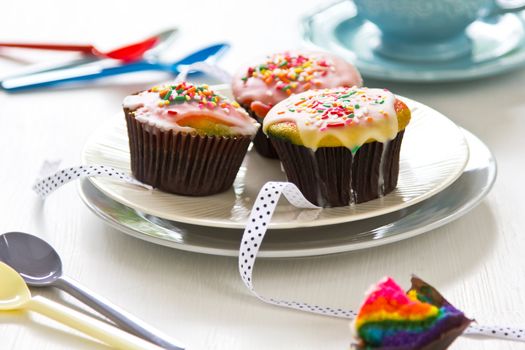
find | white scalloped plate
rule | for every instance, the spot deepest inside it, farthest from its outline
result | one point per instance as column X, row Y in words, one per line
column 433, row 155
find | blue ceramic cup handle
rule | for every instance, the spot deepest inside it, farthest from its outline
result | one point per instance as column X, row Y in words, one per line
column 514, row 6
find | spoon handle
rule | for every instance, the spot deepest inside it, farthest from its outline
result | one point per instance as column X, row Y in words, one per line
column 87, row 49
column 120, row 317
column 99, row 330
column 75, row 74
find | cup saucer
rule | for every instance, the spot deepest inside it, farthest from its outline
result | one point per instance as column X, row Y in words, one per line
column 498, row 45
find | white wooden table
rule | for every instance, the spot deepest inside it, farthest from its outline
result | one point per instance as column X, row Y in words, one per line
column 477, row 261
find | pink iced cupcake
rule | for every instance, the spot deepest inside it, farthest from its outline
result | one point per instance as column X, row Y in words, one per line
column 268, row 81
column 186, row 139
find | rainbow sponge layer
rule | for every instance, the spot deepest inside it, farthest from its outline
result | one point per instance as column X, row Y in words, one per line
column 391, row 319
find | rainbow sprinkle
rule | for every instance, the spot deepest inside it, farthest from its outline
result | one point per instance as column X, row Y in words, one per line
column 391, row 318
column 287, row 71
column 185, row 92
column 333, row 108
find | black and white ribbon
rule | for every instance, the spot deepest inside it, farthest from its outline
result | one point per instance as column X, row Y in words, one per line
column 254, row 232
column 46, row 185
column 260, row 217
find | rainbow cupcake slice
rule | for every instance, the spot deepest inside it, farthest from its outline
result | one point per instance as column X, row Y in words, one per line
column 421, row 318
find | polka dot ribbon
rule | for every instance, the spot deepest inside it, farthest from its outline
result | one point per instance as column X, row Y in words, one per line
column 46, row 185
column 260, row 217
column 253, row 236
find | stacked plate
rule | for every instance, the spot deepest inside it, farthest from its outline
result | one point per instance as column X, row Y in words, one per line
column 444, row 172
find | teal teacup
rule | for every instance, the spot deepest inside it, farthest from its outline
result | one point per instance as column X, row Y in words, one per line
column 424, row 30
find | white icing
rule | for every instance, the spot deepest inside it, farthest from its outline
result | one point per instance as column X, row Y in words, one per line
column 147, row 110
column 381, row 179
column 371, row 120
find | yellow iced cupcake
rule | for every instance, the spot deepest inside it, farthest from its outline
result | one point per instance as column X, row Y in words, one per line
column 340, row 146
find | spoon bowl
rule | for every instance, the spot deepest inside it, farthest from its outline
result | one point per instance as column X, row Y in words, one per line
column 150, row 46
column 14, row 293
column 32, row 257
column 130, row 52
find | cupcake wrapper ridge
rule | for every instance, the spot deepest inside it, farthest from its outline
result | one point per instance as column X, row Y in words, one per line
column 261, row 142
column 184, row 163
column 334, row 177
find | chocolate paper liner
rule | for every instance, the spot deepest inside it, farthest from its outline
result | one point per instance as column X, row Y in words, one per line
column 261, row 142
column 455, row 327
column 184, row 163
column 333, row 177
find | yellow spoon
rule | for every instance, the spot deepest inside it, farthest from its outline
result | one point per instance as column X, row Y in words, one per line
column 15, row 295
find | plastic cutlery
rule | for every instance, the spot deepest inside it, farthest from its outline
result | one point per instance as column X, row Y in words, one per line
column 14, row 295
column 97, row 71
column 40, row 266
column 128, row 53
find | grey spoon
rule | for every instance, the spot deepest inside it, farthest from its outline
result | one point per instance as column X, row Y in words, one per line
column 40, row 266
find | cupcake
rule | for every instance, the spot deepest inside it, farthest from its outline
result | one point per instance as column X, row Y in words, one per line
column 420, row 319
column 339, row 146
column 270, row 80
column 186, row 139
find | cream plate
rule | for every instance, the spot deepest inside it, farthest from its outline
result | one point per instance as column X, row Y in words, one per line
column 433, row 156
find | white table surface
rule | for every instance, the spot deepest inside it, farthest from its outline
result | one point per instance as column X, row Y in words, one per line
column 476, row 261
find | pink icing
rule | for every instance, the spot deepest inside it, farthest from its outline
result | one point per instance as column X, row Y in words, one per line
column 325, row 71
column 148, row 109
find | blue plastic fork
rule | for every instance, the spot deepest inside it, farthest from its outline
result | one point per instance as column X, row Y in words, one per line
column 93, row 72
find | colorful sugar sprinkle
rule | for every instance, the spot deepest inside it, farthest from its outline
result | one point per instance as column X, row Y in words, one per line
column 335, row 108
column 185, row 92
column 287, row 71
